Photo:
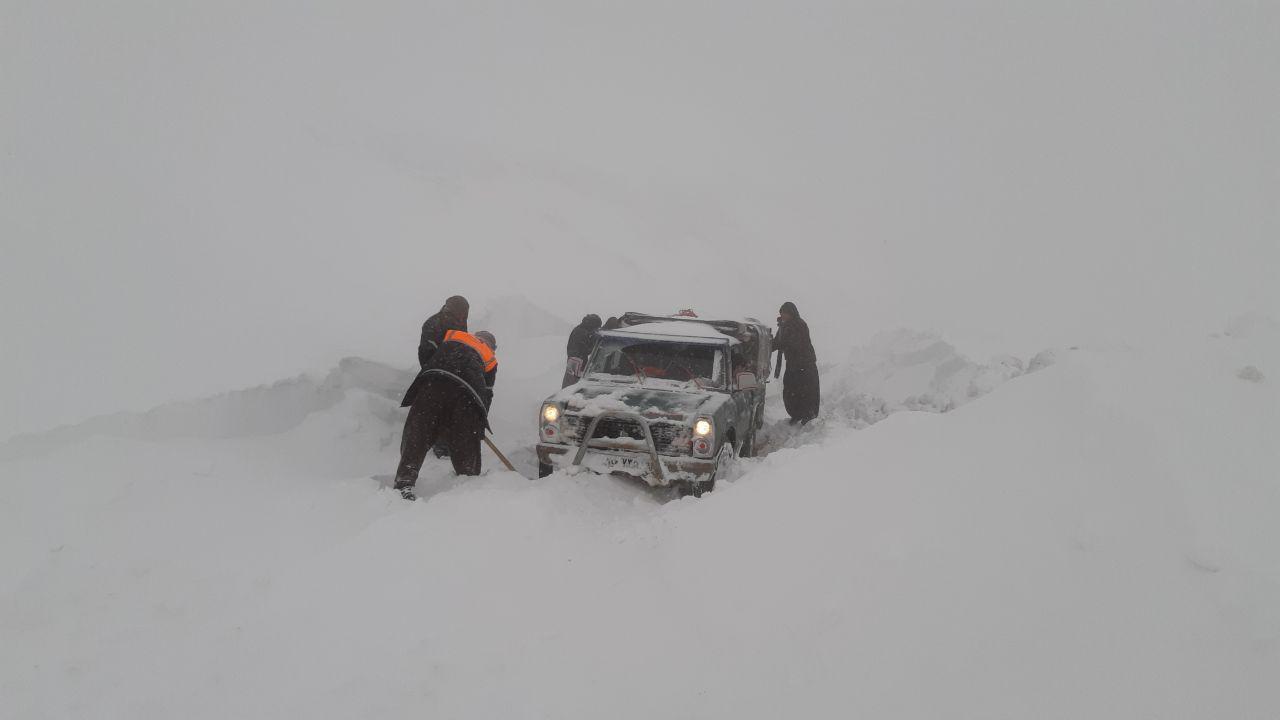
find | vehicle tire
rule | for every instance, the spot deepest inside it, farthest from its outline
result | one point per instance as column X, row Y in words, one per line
column 749, row 447
column 689, row 488
column 545, row 469
column 729, row 455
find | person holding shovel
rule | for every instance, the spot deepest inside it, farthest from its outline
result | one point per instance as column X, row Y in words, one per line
column 451, row 399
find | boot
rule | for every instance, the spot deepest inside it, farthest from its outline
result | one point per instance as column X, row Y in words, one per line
column 406, row 490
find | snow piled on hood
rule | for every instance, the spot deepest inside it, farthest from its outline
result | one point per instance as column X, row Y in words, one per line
column 1094, row 540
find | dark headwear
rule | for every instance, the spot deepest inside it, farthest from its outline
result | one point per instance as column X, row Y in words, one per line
column 591, row 322
column 456, row 307
column 487, row 338
column 789, row 308
column 612, row 323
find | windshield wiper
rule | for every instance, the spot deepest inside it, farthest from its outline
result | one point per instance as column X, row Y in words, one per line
column 635, row 366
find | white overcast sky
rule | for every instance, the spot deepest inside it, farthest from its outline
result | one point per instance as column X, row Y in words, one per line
column 199, row 196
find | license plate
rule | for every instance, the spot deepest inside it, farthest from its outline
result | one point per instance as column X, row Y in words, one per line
column 621, row 463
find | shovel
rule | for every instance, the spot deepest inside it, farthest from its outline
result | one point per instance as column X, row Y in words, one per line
column 498, row 452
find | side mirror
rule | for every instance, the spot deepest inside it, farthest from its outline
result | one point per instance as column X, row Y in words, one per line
column 748, row 381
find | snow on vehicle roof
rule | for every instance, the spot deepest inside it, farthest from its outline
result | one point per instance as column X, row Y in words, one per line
column 679, row 328
column 708, row 319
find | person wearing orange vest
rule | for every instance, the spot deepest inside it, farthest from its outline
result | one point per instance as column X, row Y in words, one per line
column 451, row 398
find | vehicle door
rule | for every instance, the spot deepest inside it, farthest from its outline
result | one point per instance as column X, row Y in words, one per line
column 747, row 390
column 763, row 366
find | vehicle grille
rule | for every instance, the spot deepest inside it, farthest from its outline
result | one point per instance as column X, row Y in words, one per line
column 667, row 436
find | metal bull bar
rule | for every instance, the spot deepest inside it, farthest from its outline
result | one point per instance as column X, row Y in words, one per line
column 648, row 436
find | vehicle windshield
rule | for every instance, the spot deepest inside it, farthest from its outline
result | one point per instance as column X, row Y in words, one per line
column 643, row 360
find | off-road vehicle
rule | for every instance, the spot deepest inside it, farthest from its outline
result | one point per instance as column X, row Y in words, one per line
column 668, row 399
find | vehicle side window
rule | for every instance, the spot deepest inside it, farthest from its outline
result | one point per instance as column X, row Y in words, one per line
column 739, row 361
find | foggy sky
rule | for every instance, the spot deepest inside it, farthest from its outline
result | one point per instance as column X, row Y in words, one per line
column 196, row 197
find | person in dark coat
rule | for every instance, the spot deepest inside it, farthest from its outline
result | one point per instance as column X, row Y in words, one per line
column 612, row 323
column 491, row 374
column 452, row 403
column 452, row 316
column 800, row 388
column 581, row 340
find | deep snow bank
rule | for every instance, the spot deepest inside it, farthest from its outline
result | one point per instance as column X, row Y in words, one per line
column 265, row 410
column 895, row 371
column 912, row 370
column 1094, row 540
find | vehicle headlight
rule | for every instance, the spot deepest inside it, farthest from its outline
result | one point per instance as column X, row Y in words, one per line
column 550, row 413
column 703, row 437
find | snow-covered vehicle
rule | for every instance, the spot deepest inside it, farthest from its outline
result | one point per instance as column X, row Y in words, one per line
column 671, row 400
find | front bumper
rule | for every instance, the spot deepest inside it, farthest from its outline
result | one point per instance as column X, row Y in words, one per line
column 637, row 463
column 613, row 455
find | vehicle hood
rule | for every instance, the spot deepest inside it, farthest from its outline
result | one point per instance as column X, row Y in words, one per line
column 587, row 399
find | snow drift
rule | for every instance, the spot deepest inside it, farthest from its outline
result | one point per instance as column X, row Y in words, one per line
column 1093, row 540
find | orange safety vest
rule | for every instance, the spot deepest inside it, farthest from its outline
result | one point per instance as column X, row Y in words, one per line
column 486, row 355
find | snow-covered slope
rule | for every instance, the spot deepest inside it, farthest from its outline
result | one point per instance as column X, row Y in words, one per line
column 896, row 366
column 1096, row 539
column 261, row 411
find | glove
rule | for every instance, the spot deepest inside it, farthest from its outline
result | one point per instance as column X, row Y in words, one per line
column 574, row 366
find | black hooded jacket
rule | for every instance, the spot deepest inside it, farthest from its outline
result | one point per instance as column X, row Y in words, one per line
column 453, row 316
column 793, row 343
column 583, row 338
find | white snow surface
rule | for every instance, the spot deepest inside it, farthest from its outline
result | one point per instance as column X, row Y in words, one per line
column 677, row 328
column 1093, row 539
